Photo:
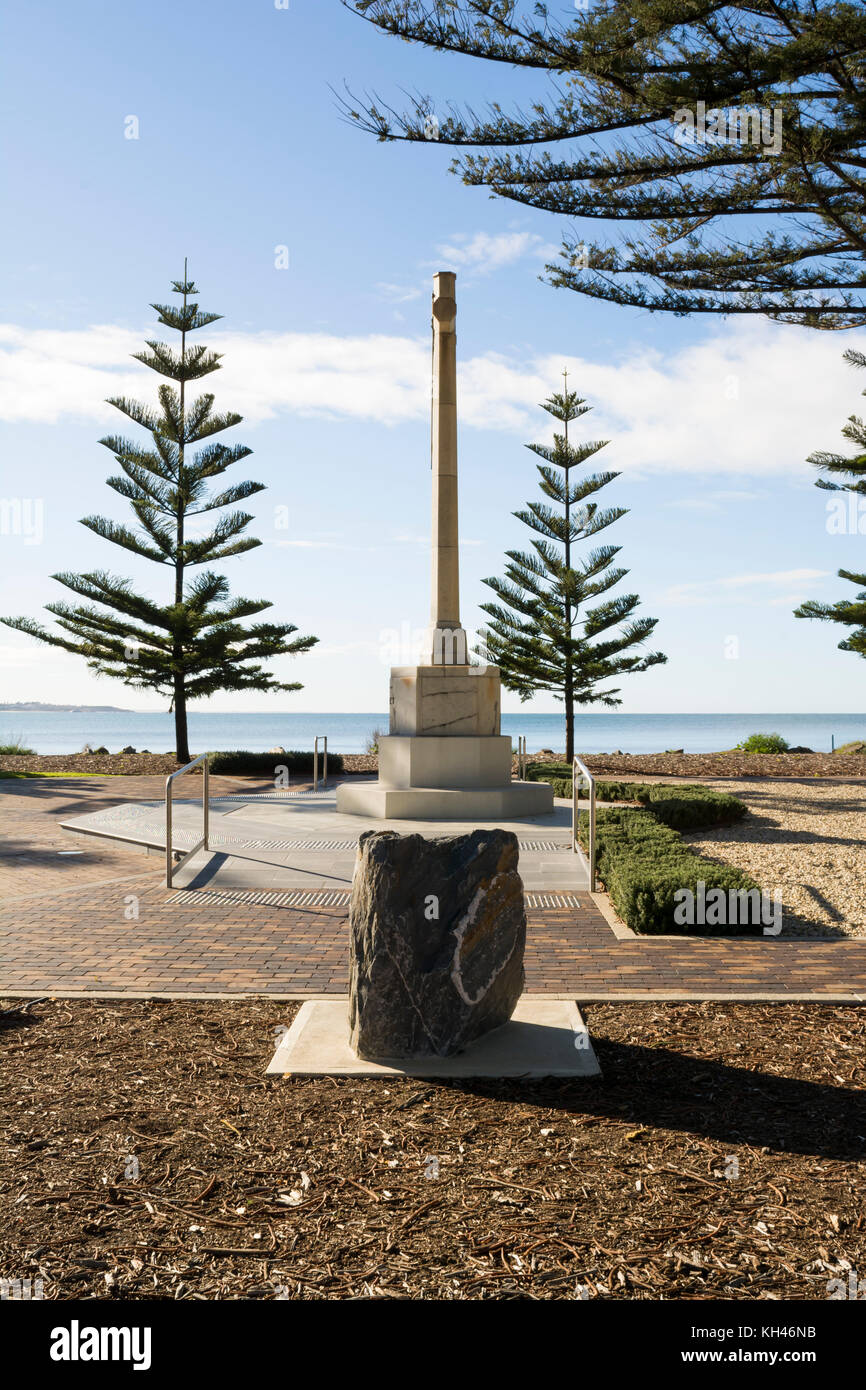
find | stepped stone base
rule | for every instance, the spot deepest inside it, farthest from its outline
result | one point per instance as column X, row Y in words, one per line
column 445, row 758
column 446, row 803
column 453, row 761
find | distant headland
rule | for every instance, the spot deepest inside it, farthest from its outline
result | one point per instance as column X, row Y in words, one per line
column 36, row 706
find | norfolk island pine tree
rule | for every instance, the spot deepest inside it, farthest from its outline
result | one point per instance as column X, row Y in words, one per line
column 195, row 644
column 542, row 634
column 849, row 612
column 722, row 225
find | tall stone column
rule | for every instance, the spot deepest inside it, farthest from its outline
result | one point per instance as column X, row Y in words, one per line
column 448, row 640
column 444, row 757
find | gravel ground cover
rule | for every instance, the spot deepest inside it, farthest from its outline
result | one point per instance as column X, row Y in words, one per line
column 808, row 840
column 697, row 767
column 146, row 1156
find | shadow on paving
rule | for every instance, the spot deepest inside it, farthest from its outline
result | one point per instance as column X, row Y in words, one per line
column 77, row 795
column 667, row 1090
column 69, row 854
column 81, row 795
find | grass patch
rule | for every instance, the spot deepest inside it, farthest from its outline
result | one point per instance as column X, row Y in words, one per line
column 9, row 773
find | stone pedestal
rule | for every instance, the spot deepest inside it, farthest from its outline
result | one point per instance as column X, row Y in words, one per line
column 445, row 700
column 445, row 758
column 444, row 762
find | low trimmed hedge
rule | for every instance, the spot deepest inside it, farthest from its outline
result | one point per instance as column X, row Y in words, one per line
column 687, row 807
column 642, row 859
column 644, row 863
column 683, row 807
column 239, row 762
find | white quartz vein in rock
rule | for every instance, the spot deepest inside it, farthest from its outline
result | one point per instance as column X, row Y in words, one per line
column 460, row 931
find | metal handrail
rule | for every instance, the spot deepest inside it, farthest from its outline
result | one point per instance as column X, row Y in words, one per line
column 521, row 757
column 170, row 865
column 324, row 737
column 578, row 769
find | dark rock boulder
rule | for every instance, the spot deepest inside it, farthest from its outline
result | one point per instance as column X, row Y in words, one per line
column 438, row 931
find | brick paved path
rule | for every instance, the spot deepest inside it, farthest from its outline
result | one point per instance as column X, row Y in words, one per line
column 103, row 922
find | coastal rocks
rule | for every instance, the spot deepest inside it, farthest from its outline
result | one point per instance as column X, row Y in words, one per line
column 438, row 930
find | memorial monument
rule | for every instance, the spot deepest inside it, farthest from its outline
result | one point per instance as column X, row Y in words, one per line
column 444, row 757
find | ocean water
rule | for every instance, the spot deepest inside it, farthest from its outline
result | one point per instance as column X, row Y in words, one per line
column 349, row 733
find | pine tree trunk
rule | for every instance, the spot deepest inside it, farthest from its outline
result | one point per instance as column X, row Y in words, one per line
column 181, row 735
column 568, row 688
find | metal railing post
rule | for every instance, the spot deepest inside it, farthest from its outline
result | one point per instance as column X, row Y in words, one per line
column 324, row 739
column 203, row 843
column 168, row 858
column 579, row 769
column 205, row 808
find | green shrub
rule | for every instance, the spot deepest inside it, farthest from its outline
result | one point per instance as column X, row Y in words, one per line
column 238, row 762
column 763, row 743
column 644, row 863
column 685, row 806
column 689, row 807
column 543, row 772
column 16, row 749
column 643, row 860
column 640, row 854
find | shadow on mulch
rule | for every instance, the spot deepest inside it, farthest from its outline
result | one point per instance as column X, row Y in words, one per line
column 663, row 1089
column 11, row 1019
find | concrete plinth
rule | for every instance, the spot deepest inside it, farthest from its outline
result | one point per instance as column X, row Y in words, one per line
column 545, row 1037
column 447, row 700
column 444, row 762
column 446, row 803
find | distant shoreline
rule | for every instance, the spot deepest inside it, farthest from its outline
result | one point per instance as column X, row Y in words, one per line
column 59, row 731
column 34, row 707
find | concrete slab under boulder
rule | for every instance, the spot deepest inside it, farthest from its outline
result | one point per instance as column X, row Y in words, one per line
column 544, row 1037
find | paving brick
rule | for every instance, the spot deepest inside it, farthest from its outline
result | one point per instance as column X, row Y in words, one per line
column 62, row 927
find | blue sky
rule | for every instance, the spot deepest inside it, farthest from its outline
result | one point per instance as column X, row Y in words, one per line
column 241, row 150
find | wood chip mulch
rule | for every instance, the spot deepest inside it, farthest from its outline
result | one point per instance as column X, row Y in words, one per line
column 146, row 1156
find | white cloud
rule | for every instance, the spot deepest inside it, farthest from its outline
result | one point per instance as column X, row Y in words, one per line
column 739, row 581
column 484, row 252
column 742, row 588
column 398, row 294
column 23, row 657
column 669, row 413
